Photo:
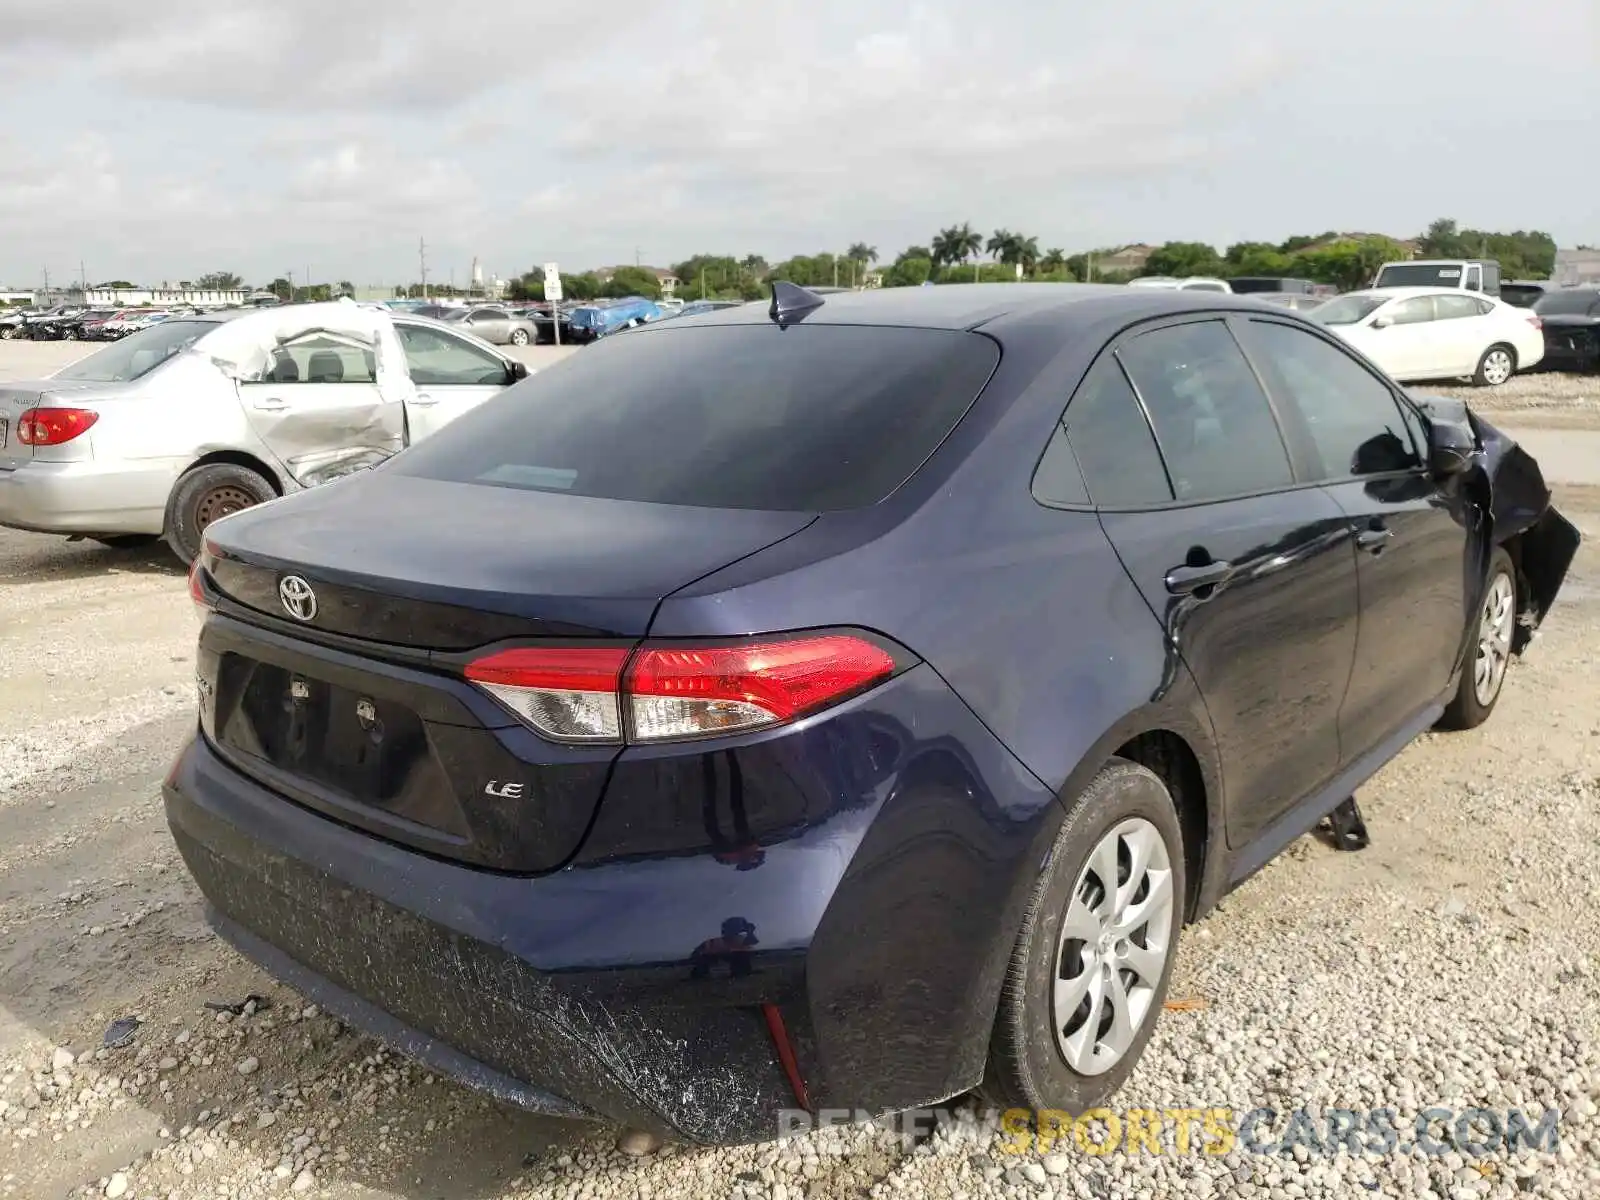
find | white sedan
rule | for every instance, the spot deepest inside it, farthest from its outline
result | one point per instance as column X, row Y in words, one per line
column 1436, row 333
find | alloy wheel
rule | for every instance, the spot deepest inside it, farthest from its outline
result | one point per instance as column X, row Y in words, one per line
column 1494, row 639
column 1497, row 367
column 1113, row 947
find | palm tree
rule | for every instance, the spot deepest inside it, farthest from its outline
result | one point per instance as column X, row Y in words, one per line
column 1026, row 250
column 860, row 255
column 956, row 245
column 1002, row 246
column 1055, row 259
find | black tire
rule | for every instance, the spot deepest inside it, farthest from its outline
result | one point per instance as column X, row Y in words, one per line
column 7, row 332
column 1488, row 372
column 1026, row 1068
column 1469, row 709
column 128, row 541
column 519, row 337
column 205, row 494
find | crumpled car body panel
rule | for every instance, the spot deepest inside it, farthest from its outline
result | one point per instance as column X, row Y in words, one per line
column 1542, row 542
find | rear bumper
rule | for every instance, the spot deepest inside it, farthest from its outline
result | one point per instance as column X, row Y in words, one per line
column 601, row 990
column 85, row 497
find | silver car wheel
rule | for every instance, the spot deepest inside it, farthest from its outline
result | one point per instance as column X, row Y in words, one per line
column 1494, row 639
column 1497, row 367
column 1113, row 947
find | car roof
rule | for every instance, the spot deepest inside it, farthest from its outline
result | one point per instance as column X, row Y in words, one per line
column 1403, row 293
column 990, row 306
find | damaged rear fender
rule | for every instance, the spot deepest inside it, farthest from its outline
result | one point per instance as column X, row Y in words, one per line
column 1512, row 490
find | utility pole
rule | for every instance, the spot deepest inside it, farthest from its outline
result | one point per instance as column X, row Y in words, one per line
column 47, row 285
column 422, row 262
column 636, row 259
column 83, row 281
column 289, row 275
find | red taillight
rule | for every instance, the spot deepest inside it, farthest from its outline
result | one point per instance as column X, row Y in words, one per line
column 689, row 692
column 1536, row 321
column 673, row 692
column 197, row 587
column 53, row 426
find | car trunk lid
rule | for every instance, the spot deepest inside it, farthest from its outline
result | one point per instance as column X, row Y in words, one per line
column 358, row 708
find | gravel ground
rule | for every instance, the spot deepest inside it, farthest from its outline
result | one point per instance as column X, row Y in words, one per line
column 1455, row 963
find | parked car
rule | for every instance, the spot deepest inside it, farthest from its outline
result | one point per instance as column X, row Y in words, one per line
column 1197, row 283
column 695, row 308
column 1297, row 301
column 1269, row 284
column 1465, row 274
column 12, row 324
column 199, row 416
column 1436, row 333
column 604, row 750
column 589, row 322
column 1523, row 293
column 496, row 326
column 550, row 319
column 1570, row 319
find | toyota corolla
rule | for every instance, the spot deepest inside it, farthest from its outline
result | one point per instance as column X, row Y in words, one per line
column 845, row 703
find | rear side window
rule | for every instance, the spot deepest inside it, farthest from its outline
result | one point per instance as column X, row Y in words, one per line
column 1114, row 446
column 812, row 418
column 1213, row 421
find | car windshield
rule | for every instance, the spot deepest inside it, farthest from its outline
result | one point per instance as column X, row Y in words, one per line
column 804, row 419
column 1347, row 310
column 137, row 354
column 1574, row 303
column 1420, row 275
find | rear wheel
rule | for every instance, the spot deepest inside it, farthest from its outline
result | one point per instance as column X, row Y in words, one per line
column 1091, row 964
column 207, row 494
column 519, row 337
column 1498, row 364
column 1489, row 658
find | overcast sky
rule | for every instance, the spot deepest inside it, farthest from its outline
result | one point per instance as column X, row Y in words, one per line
column 160, row 140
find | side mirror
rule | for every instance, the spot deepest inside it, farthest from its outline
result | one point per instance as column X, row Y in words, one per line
column 519, row 370
column 1450, row 449
column 1382, row 322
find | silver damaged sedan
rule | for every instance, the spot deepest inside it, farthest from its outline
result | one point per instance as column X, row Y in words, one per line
column 165, row 431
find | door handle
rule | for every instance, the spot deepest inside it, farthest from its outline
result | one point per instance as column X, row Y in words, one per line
column 1374, row 539
column 271, row 403
column 1187, row 580
column 423, row 399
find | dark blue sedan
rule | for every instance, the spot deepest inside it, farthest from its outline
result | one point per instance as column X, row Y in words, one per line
column 842, row 704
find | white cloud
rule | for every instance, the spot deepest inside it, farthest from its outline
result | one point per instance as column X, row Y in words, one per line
column 189, row 136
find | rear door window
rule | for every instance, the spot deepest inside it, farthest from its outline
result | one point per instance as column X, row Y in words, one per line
column 1215, row 426
column 1349, row 413
column 804, row 419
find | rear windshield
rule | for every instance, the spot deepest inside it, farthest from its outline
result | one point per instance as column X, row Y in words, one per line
column 1420, row 275
column 806, row 419
column 138, row 354
column 1347, row 310
column 1576, row 303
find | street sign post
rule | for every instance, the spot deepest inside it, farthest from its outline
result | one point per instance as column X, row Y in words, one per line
column 552, row 295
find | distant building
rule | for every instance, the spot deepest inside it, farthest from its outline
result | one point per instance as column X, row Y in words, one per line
column 9, row 297
column 667, row 280
column 135, row 297
column 1128, row 258
column 1573, row 267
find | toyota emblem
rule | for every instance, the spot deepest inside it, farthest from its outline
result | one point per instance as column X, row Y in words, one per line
column 298, row 600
